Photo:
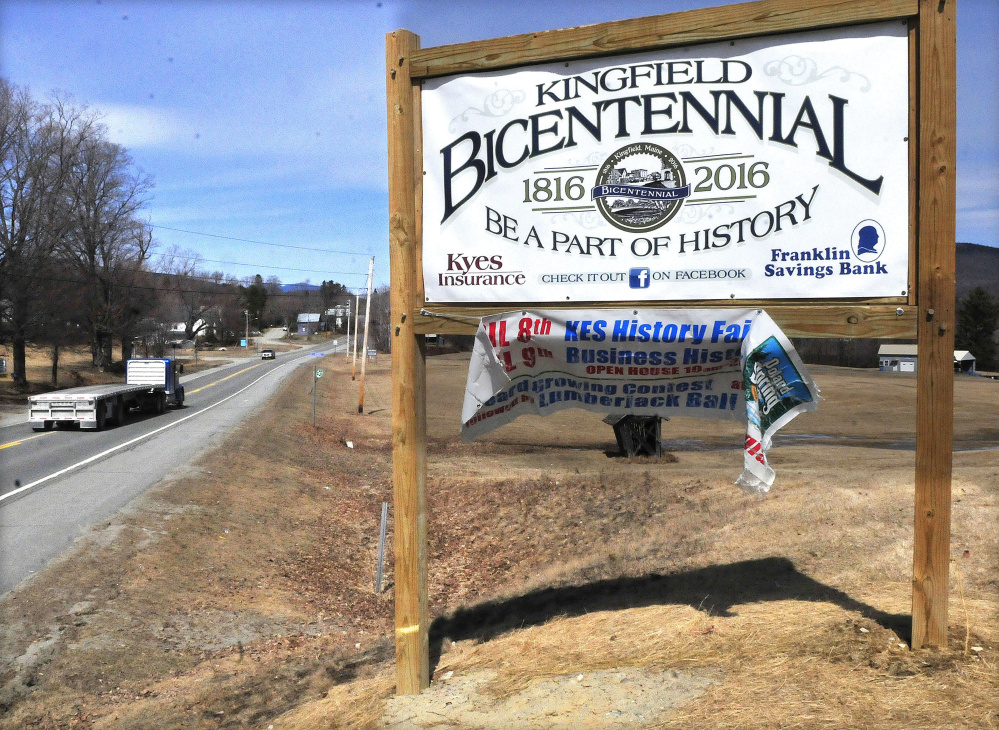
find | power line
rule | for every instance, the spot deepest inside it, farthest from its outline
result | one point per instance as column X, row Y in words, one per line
column 262, row 243
column 223, row 289
column 214, row 280
column 263, row 266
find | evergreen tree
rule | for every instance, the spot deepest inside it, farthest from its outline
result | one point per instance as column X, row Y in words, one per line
column 331, row 292
column 255, row 299
column 977, row 319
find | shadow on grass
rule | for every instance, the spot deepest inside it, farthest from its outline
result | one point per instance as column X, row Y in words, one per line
column 716, row 589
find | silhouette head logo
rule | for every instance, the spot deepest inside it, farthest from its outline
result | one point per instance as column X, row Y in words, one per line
column 868, row 240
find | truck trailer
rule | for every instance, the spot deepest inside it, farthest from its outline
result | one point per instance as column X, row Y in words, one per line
column 150, row 385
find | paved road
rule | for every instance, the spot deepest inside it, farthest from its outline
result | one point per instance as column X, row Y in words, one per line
column 273, row 336
column 55, row 485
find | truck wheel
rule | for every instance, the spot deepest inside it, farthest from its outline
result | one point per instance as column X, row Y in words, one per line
column 102, row 414
column 178, row 396
column 120, row 411
column 161, row 403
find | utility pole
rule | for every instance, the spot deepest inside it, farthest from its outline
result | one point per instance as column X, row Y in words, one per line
column 348, row 328
column 247, row 313
column 357, row 314
column 364, row 349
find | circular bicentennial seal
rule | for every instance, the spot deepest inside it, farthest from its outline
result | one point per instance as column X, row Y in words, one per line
column 640, row 187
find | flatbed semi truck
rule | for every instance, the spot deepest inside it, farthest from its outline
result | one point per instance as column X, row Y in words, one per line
column 150, row 385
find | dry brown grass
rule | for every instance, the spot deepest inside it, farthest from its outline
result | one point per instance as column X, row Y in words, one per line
column 548, row 556
column 196, row 602
column 75, row 369
column 775, row 660
column 838, row 526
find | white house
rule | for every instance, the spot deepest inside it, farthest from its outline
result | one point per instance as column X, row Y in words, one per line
column 177, row 331
column 964, row 362
column 903, row 359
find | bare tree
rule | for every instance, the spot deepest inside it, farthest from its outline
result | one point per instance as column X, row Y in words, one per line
column 196, row 294
column 381, row 319
column 39, row 146
column 137, row 296
column 272, row 310
column 229, row 318
column 105, row 242
column 60, row 313
column 272, row 285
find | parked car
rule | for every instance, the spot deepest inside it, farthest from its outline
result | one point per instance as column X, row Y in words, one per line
column 267, row 354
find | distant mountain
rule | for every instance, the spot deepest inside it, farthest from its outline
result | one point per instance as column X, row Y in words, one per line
column 977, row 265
column 302, row 286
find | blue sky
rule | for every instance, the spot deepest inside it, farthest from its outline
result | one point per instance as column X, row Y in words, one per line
column 265, row 121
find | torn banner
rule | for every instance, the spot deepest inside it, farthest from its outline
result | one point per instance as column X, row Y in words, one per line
column 643, row 362
column 778, row 388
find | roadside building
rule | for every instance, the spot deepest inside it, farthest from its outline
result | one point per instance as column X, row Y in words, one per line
column 964, row 362
column 176, row 332
column 335, row 318
column 897, row 358
column 903, row 359
column 308, row 323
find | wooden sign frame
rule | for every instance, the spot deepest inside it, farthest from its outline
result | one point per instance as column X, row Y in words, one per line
column 926, row 313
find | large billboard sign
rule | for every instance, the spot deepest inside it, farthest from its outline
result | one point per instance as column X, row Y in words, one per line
column 762, row 168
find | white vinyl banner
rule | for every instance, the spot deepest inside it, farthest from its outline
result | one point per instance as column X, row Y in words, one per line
column 772, row 167
column 667, row 363
column 778, row 388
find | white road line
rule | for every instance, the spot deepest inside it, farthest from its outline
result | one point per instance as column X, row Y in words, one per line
column 101, row 455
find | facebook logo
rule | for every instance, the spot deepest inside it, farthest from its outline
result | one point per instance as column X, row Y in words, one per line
column 638, row 278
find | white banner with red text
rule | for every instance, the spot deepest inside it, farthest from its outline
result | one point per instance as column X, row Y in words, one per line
column 665, row 363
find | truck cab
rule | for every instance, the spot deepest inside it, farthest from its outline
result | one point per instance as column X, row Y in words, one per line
column 162, row 375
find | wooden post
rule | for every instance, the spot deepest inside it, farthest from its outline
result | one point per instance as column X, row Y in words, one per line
column 348, row 328
column 932, row 217
column 935, row 327
column 409, row 438
column 357, row 314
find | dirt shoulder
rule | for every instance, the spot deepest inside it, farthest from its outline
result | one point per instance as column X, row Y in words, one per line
column 239, row 593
